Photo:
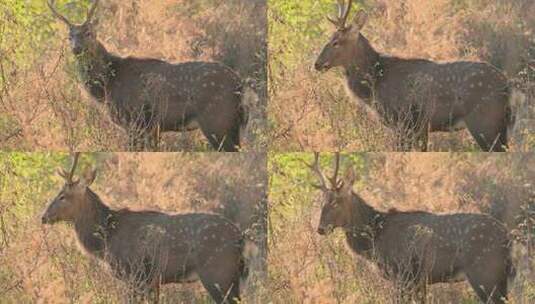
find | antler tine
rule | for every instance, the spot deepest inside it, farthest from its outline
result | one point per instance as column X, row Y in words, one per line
column 346, row 12
column 341, row 7
column 334, row 179
column 58, row 15
column 73, row 167
column 343, row 12
column 91, row 11
column 315, row 167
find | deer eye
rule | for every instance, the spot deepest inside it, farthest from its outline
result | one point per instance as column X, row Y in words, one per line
column 336, row 43
column 61, row 197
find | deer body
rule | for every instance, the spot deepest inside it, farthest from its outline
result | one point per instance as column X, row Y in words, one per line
column 149, row 248
column 414, row 249
column 452, row 93
column 145, row 96
column 420, row 96
column 176, row 97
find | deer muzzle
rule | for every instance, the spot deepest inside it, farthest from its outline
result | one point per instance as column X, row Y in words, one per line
column 325, row 229
column 45, row 219
column 321, row 66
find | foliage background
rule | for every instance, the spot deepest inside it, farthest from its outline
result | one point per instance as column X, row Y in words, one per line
column 43, row 264
column 305, row 267
column 42, row 106
column 310, row 111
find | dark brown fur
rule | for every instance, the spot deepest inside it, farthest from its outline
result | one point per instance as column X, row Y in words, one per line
column 148, row 96
column 148, row 248
column 419, row 96
column 414, row 249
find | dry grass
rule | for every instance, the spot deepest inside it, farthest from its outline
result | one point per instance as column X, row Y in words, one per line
column 311, row 111
column 43, row 107
column 43, row 264
column 304, row 265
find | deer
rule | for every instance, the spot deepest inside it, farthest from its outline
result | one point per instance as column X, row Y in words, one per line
column 417, row 96
column 146, row 249
column 148, row 96
column 415, row 249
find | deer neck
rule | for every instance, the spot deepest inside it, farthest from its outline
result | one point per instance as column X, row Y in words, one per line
column 364, row 70
column 93, row 224
column 95, row 65
column 366, row 224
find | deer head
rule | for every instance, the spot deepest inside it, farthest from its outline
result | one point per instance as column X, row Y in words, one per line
column 337, row 194
column 69, row 201
column 344, row 43
column 82, row 36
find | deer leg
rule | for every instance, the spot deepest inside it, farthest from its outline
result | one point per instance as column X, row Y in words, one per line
column 423, row 140
column 135, row 296
column 221, row 280
column 156, row 292
column 132, row 141
column 489, row 280
column 221, row 291
column 223, row 136
column 489, row 292
column 488, row 127
column 411, row 138
column 156, row 137
column 421, row 293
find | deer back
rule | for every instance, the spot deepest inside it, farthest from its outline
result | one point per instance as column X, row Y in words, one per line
column 438, row 246
column 171, row 92
column 173, row 246
column 441, row 90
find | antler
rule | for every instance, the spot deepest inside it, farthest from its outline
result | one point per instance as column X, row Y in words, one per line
column 343, row 12
column 90, row 13
column 334, row 179
column 58, row 15
column 69, row 176
column 315, row 167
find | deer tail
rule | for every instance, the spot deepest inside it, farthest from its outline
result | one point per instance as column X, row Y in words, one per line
column 249, row 106
column 248, row 251
column 517, row 101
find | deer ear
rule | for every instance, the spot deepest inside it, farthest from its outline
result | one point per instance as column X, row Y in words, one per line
column 94, row 22
column 89, row 177
column 360, row 20
column 350, row 177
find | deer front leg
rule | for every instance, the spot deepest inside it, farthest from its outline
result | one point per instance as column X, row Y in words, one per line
column 133, row 140
column 155, row 137
column 421, row 293
column 423, row 139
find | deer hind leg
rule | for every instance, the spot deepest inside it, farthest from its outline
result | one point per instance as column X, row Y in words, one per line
column 488, row 127
column 222, row 287
column 222, row 133
column 151, row 138
column 489, row 280
column 220, row 272
column 420, row 295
